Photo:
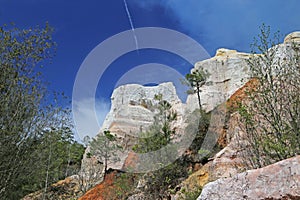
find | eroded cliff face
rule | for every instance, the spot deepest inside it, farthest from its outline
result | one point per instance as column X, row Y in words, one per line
column 131, row 104
column 277, row 181
column 131, row 110
column 229, row 77
column 228, row 161
column 227, row 73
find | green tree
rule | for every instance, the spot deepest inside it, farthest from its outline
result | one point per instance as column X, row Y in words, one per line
column 196, row 80
column 270, row 114
column 59, row 156
column 160, row 132
column 158, row 135
column 27, row 119
column 105, row 148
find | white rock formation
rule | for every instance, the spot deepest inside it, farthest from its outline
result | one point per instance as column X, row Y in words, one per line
column 277, row 181
column 131, row 104
column 130, row 112
column 228, row 72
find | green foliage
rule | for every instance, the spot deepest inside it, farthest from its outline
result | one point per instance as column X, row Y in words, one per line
column 160, row 132
column 124, row 185
column 158, row 97
column 33, row 132
column 104, row 147
column 204, row 152
column 198, row 123
column 271, row 116
column 162, row 183
column 58, row 156
column 159, row 183
column 196, row 80
column 190, row 195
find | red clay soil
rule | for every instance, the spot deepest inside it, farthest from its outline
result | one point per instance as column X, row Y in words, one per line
column 240, row 95
column 232, row 105
column 108, row 188
column 102, row 190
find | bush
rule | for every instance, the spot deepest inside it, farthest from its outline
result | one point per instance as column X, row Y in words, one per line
column 271, row 114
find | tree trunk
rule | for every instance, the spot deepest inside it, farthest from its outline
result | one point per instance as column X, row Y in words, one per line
column 199, row 98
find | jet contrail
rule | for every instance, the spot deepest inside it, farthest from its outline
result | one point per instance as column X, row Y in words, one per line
column 131, row 24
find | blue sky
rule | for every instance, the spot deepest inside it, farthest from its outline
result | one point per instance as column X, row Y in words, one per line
column 81, row 25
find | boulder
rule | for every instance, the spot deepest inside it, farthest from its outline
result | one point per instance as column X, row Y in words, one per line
column 277, row 181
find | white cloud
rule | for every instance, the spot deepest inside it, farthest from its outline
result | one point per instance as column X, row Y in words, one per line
column 230, row 23
column 83, row 123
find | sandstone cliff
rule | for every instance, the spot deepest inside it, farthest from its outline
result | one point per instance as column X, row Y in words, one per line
column 131, row 104
column 132, row 112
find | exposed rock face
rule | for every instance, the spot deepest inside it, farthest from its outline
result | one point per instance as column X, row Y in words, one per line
column 228, row 162
column 228, row 72
column 277, row 181
column 132, row 112
column 292, row 37
column 131, row 104
column 130, row 109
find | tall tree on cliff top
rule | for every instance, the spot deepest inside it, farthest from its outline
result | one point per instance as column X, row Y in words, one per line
column 196, row 80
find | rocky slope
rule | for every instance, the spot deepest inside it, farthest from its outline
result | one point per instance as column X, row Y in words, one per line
column 277, row 181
